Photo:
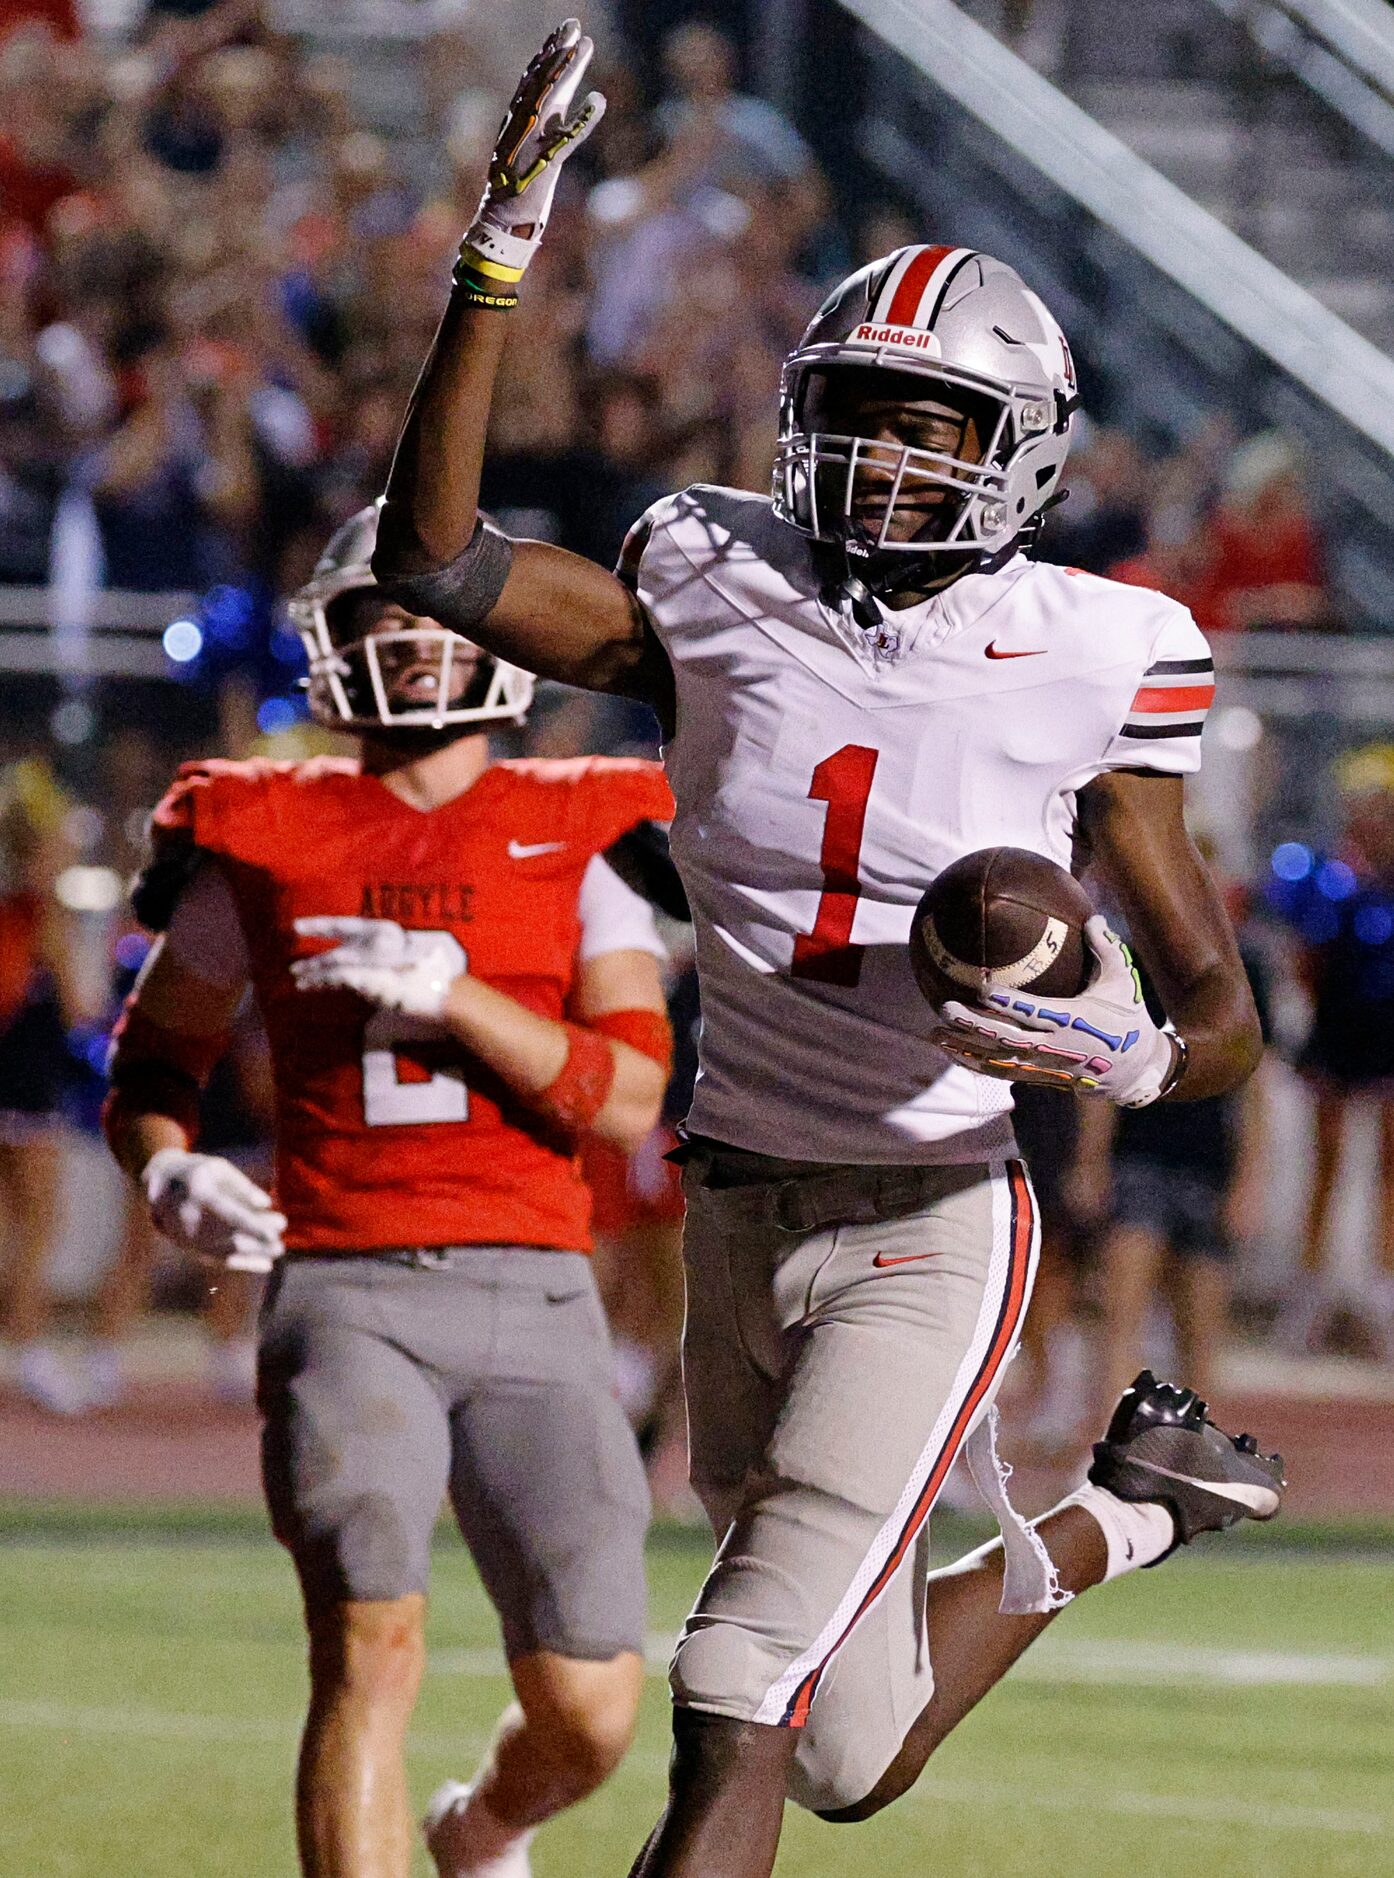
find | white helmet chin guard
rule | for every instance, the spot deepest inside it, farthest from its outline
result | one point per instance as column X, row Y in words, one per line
column 966, row 324
column 348, row 687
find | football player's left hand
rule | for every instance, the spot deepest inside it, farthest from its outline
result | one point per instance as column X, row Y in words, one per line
column 1103, row 1042
column 394, row 968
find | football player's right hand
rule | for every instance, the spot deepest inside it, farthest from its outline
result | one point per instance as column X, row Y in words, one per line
column 208, row 1206
column 535, row 139
column 1103, row 1042
column 394, row 967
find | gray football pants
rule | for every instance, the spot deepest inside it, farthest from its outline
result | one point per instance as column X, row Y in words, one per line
column 390, row 1380
column 833, row 1372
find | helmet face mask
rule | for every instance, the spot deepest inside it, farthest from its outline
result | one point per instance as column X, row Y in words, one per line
column 374, row 667
column 928, row 333
column 889, row 463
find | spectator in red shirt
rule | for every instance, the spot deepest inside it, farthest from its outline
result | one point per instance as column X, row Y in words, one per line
column 35, row 149
column 1267, row 567
column 1256, row 561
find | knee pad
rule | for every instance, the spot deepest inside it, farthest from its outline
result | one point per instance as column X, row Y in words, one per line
column 722, row 1668
column 848, row 1742
column 827, row 1777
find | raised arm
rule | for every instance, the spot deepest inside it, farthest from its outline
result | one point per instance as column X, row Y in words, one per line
column 551, row 612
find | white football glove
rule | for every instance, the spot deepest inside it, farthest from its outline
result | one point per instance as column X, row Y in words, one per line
column 390, row 966
column 534, row 140
column 1103, row 1042
column 208, row 1206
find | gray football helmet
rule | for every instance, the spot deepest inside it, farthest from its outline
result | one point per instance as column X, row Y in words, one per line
column 348, row 685
column 960, row 321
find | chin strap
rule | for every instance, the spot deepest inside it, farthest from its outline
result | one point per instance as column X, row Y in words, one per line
column 865, row 600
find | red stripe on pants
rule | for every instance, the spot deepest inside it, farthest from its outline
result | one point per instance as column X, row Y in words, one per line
column 1019, row 1265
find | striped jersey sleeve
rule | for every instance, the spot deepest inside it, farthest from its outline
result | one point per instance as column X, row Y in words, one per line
column 1164, row 720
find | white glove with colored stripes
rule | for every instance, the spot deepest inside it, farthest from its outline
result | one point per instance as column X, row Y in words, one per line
column 1104, row 1042
column 535, row 139
column 390, row 966
column 208, row 1206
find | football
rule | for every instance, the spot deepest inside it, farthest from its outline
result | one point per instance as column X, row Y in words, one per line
column 1002, row 919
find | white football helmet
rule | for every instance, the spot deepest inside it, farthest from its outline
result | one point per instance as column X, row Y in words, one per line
column 349, row 686
column 959, row 320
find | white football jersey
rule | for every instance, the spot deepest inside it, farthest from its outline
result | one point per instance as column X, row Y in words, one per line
column 823, row 781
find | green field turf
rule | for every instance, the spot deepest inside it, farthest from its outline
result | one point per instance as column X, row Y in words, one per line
column 1230, row 1716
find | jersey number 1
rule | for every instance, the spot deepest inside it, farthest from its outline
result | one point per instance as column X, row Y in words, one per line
column 390, row 1101
column 843, row 781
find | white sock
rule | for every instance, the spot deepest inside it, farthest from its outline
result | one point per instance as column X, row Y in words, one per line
column 1136, row 1532
column 477, row 1841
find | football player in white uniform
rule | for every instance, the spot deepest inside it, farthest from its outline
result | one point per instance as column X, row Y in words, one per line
column 860, row 680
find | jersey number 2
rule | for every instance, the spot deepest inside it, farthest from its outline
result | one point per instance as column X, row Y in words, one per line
column 843, row 781
column 388, row 1100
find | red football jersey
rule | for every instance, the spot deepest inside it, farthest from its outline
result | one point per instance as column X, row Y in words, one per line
column 388, row 1134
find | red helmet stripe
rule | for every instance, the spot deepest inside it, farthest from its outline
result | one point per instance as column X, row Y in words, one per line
column 911, row 290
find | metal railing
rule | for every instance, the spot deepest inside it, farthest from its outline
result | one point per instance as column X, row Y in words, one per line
column 1143, row 208
column 1359, row 32
column 1278, row 673
column 1332, row 47
column 119, row 634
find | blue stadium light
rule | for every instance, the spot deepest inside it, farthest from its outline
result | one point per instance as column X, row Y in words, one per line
column 229, row 615
column 1374, row 925
column 182, row 641
column 277, row 714
column 1291, row 860
column 286, row 647
column 1336, row 881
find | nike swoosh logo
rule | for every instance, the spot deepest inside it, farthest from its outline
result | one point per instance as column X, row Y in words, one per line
column 993, row 653
column 525, row 850
column 1257, row 1499
column 905, row 1258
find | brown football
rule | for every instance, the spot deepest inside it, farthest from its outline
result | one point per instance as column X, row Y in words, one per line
column 1002, row 919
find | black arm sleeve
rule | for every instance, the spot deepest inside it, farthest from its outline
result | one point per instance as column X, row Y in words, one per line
column 460, row 594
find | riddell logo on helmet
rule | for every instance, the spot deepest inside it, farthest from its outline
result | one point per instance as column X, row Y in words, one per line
column 896, row 336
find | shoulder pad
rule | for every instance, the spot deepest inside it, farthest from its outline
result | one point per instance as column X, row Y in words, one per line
column 602, row 795
column 230, row 808
column 202, row 793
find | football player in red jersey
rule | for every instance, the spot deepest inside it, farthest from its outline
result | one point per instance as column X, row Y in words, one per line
column 458, row 989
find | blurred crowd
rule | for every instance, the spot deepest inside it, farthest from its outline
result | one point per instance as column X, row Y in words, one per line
column 221, row 264
column 218, row 277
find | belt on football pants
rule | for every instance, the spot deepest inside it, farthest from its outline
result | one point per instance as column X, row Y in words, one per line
column 807, row 1202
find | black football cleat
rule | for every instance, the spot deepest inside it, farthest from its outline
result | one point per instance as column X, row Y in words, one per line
column 1160, row 1446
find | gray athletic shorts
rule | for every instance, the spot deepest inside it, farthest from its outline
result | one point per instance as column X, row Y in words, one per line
column 833, row 1372
column 390, row 1380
